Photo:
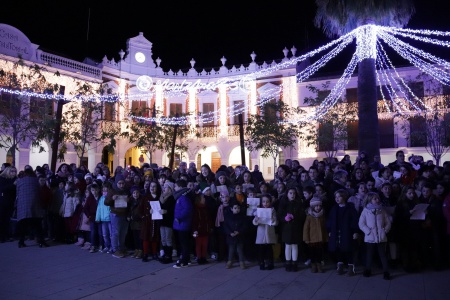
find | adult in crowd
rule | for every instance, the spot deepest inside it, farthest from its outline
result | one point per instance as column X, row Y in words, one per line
column 29, row 209
column 257, row 175
column 399, row 161
column 7, row 198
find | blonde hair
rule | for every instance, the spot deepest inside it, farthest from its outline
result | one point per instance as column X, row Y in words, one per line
column 370, row 196
column 7, row 172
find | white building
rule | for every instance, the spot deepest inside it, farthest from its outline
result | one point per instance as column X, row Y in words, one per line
column 220, row 93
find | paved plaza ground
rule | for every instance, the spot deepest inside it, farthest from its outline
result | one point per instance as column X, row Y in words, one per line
column 67, row 272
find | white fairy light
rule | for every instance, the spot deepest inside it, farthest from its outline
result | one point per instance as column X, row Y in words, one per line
column 368, row 42
column 366, row 37
column 310, row 70
column 403, row 83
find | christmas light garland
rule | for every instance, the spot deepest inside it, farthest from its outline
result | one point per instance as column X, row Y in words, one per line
column 368, row 40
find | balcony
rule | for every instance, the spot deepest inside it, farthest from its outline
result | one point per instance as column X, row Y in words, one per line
column 207, row 132
column 110, row 126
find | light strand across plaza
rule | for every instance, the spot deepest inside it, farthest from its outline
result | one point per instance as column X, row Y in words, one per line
column 370, row 43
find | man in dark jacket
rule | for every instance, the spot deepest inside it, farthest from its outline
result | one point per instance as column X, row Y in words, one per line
column 257, row 175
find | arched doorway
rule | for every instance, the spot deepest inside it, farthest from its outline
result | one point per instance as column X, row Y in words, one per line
column 211, row 157
column 236, row 160
column 134, row 157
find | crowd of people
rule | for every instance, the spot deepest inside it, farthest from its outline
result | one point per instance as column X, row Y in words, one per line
column 335, row 210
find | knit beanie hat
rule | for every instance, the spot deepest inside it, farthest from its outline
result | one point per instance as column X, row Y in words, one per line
column 315, row 201
column 169, row 184
column 205, row 189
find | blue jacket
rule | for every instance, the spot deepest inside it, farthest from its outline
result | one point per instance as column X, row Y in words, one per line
column 183, row 211
column 103, row 211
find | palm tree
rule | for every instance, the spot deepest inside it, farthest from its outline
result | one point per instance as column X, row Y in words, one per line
column 338, row 17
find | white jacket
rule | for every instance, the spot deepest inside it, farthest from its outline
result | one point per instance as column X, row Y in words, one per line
column 69, row 205
column 265, row 234
column 375, row 223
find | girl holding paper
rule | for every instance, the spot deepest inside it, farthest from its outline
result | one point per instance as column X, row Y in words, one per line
column 265, row 234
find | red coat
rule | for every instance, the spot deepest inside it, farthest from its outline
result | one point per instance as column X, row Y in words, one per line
column 201, row 221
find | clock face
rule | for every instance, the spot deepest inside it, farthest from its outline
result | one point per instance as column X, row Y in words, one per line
column 140, row 57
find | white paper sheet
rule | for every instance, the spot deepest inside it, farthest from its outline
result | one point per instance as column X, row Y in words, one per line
column 252, row 205
column 264, row 215
column 222, row 189
column 419, row 211
column 121, row 201
column 156, row 206
column 245, row 186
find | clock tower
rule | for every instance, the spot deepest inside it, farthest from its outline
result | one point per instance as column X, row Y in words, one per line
column 139, row 55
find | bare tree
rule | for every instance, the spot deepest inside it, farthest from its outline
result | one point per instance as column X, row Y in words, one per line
column 24, row 114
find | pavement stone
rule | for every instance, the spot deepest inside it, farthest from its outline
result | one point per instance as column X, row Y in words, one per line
column 64, row 271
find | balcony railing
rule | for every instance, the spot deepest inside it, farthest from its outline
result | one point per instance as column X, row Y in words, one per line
column 110, row 126
column 207, row 131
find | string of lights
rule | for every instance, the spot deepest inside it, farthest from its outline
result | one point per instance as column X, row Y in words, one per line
column 403, row 83
column 368, row 40
column 411, row 54
column 387, row 76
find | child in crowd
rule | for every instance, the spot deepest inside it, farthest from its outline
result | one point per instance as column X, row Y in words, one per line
column 56, row 220
column 239, row 195
column 135, row 219
column 83, row 227
column 389, row 201
column 201, row 228
column 222, row 210
column 375, row 223
column 315, row 233
column 265, row 236
column 250, row 250
column 70, row 202
column 102, row 217
column 292, row 217
column 90, row 210
column 145, row 216
column 342, row 227
column 167, row 203
column 222, row 182
column 150, row 230
column 359, row 200
column 117, row 200
column 234, row 227
column 211, row 204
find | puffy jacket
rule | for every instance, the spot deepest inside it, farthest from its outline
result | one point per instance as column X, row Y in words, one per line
column 183, row 211
column 375, row 223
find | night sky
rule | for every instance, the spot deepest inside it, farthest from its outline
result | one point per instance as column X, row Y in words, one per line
column 186, row 30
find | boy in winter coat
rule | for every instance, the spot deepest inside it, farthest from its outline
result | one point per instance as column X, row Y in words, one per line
column 235, row 226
